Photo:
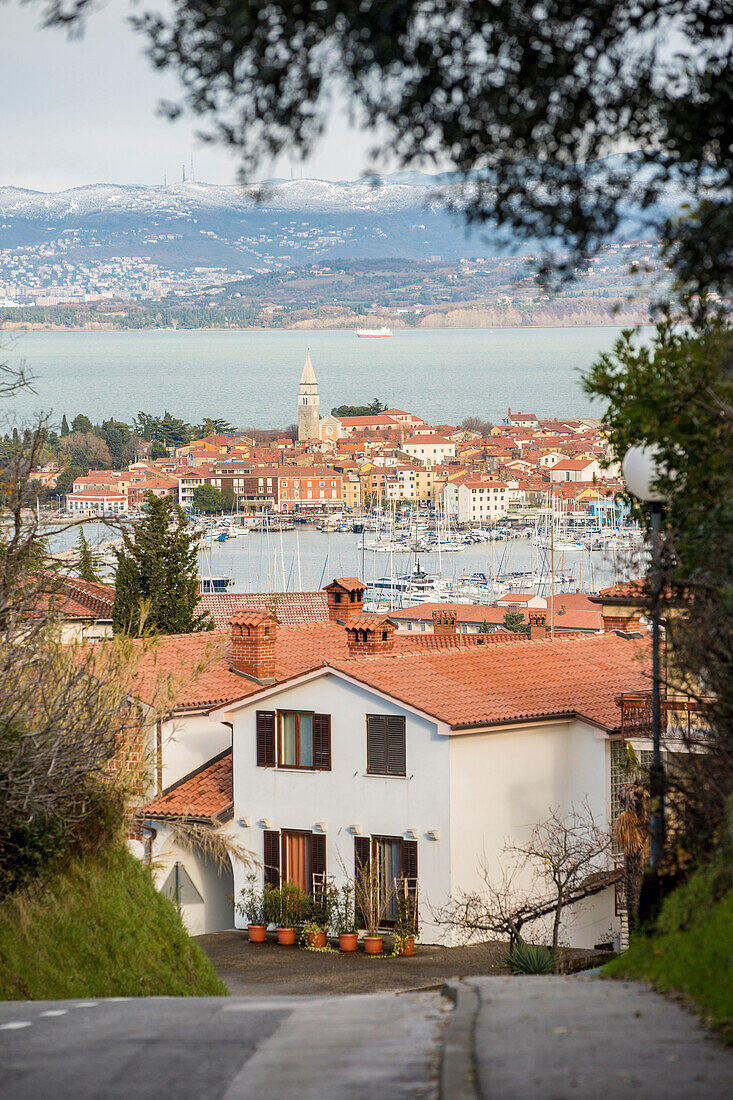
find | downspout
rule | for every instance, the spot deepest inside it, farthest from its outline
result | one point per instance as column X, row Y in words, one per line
column 149, row 837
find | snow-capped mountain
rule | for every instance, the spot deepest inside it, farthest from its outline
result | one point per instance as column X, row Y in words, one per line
column 289, row 222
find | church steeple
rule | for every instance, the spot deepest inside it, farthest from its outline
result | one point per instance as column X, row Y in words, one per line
column 308, row 404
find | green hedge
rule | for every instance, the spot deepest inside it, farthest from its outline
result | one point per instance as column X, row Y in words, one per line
column 99, row 929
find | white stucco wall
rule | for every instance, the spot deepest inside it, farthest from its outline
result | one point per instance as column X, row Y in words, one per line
column 215, row 912
column 346, row 796
column 502, row 783
column 188, row 741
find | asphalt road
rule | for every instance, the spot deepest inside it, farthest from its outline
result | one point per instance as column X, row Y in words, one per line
column 314, row 1048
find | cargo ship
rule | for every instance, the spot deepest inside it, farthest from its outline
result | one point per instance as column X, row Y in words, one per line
column 372, row 332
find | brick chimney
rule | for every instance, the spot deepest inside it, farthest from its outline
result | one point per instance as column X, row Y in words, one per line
column 444, row 623
column 345, row 597
column 370, row 636
column 252, row 644
column 537, row 625
column 629, row 624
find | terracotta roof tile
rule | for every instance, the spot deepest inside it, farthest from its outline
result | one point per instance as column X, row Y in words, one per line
column 205, row 793
column 567, row 677
column 288, row 607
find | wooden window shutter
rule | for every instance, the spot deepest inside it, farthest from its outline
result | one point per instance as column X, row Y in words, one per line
column 396, row 745
column 322, row 742
column 362, row 855
column 265, row 739
column 272, row 858
column 318, row 858
column 377, row 744
column 409, row 861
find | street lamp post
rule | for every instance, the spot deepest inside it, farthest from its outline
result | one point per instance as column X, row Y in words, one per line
column 641, row 473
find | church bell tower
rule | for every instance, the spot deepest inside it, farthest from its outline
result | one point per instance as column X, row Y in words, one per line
column 308, row 405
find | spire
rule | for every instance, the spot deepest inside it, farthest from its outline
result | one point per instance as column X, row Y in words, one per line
column 309, row 375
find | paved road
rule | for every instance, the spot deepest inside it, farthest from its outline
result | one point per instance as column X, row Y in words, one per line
column 582, row 1038
column 313, row 1048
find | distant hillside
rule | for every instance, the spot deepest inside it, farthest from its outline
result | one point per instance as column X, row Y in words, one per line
column 241, row 229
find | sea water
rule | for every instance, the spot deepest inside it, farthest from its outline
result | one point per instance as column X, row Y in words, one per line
column 250, row 377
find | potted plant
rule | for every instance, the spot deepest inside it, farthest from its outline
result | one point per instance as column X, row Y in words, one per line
column 344, row 918
column 251, row 906
column 291, row 909
column 406, row 924
column 320, row 917
column 372, row 899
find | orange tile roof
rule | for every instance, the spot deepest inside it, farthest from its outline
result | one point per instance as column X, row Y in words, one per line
column 204, row 794
column 475, row 687
column 288, row 607
column 583, row 618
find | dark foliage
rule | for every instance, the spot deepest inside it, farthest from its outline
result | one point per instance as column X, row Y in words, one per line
column 156, row 590
column 677, row 394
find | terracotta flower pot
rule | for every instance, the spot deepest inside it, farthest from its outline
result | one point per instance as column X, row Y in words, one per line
column 407, row 947
column 348, row 941
column 257, row 933
column 286, row 936
column 373, row 945
column 317, row 939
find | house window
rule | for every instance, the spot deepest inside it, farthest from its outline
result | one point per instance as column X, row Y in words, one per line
column 294, row 739
column 295, row 856
column 396, row 865
column 385, row 744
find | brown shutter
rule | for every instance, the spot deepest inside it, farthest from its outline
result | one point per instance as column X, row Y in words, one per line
column 272, row 858
column 408, row 860
column 376, row 744
column 322, row 742
column 265, row 739
column 396, row 745
column 408, row 869
column 318, row 857
column 362, row 855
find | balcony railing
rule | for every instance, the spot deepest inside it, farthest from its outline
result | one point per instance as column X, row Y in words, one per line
column 680, row 720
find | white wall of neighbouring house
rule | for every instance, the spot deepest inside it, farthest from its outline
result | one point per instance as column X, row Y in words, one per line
column 209, row 906
column 188, row 741
column 505, row 781
column 346, row 796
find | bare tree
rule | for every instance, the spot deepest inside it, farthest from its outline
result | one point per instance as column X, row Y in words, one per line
column 563, row 861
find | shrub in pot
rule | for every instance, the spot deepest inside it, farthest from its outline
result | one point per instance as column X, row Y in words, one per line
column 321, row 908
column 293, row 906
column 344, row 918
column 406, row 924
column 252, row 907
column 372, row 900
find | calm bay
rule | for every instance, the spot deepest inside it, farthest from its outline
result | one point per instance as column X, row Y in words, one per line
column 250, row 377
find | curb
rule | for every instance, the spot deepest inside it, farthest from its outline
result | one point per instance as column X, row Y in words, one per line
column 457, row 1066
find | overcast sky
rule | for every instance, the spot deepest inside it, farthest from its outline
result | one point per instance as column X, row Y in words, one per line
column 74, row 112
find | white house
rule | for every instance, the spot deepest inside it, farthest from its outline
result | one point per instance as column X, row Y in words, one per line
column 476, row 500
column 426, row 752
column 91, row 502
column 430, row 450
column 575, row 469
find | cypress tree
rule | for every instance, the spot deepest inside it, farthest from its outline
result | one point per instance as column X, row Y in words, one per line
column 157, row 570
column 64, row 426
column 85, row 564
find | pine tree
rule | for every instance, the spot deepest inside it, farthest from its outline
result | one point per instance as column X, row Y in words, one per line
column 64, row 426
column 156, row 588
column 514, row 621
column 85, row 564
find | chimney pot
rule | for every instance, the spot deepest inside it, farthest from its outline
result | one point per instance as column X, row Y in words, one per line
column 537, row 625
